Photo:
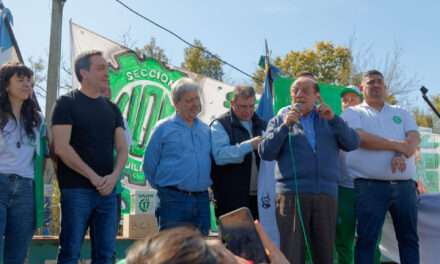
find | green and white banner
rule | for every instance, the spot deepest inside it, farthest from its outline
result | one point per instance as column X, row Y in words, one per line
column 427, row 160
column 141, row 88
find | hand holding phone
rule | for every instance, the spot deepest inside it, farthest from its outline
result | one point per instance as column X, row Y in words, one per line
column 274, row 254
column 238, row 233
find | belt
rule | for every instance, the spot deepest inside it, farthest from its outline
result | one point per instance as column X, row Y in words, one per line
column 385, row 181
column 15, row 177
column 174, row 188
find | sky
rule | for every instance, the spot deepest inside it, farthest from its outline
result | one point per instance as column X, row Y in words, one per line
column 236, row 30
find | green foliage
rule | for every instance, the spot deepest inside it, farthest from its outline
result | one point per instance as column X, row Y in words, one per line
column 152, row 50
column 259, row 76
column 329, row 63
column 422, row 118
column 198, row 61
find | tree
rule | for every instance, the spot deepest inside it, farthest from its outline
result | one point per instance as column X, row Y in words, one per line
column 427, row 118
column 127, row 40
column 65, row 75
column 152, row 50
column 38, row 66
column 259, row 76
column 345, row 65
column 397, row 80
column 198, row 61
column 329, row 63
column 422, row 119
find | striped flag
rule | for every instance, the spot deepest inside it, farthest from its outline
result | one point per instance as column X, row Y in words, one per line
column 9, row 51
column 266, row 177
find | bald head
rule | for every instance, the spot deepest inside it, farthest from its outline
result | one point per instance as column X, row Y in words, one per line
column 307, row 80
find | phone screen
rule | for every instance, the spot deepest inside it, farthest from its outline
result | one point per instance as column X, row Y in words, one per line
column 238, row 233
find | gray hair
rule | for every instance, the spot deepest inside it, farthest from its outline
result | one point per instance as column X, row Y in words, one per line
column 182, row 86
column 243, row 91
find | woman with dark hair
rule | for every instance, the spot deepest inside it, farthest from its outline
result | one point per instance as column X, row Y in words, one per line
column 20, row 143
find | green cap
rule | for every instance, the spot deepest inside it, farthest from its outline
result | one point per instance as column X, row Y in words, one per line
column 352, row 89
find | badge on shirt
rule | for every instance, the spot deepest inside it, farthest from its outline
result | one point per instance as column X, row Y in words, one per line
column 397, row 120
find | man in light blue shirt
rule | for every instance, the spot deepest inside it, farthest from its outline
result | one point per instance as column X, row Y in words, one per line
column 177, row 162
column 235, row 136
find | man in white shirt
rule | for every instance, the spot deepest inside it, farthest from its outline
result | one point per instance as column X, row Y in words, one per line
column 384, row 171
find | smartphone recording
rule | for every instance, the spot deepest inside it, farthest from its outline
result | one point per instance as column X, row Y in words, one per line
column 238, row 233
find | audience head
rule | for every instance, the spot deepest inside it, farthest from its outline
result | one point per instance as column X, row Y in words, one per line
column 243, row 102
column 180, row 245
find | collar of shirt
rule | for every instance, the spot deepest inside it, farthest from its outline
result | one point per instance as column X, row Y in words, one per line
column 179, row 120
column 307, row 122
column 367, row 106
column 308, row 117
column 248, row 125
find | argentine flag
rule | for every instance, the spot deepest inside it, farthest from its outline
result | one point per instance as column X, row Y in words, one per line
column 8, row 46
column 266, row 178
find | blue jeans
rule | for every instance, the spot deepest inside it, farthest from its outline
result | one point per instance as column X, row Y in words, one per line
column 373, row 199
column 178, row 208
column 81, row 208
column 17, row 219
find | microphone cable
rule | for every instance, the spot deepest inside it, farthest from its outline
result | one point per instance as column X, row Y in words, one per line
column 297, row 201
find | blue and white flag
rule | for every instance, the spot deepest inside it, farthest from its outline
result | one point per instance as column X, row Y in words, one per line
column 266, row 177
column 8, row 46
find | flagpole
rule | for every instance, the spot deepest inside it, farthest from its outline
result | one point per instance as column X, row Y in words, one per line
column 267, row 52
column 53, row 72
column 266, row 178
column 267, row 66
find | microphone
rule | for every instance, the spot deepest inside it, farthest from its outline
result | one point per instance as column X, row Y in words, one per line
column 297, row 107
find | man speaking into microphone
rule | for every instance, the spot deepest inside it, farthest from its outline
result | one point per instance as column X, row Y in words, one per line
column 305, row 139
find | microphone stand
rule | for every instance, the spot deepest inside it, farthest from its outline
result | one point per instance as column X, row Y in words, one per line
column 424, row 91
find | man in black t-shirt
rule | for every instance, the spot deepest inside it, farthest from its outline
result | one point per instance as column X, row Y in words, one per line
column 86, row 129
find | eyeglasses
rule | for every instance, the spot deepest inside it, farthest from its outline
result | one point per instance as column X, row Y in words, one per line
column 296, row 91
column 246, row 107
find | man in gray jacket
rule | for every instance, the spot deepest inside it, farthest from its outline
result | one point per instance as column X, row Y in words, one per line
column 305, row 140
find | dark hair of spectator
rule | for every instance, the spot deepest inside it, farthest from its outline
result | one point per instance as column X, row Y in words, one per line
column 29, row 110
column 371, row 73
column 82, row 62
column 243, row 91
